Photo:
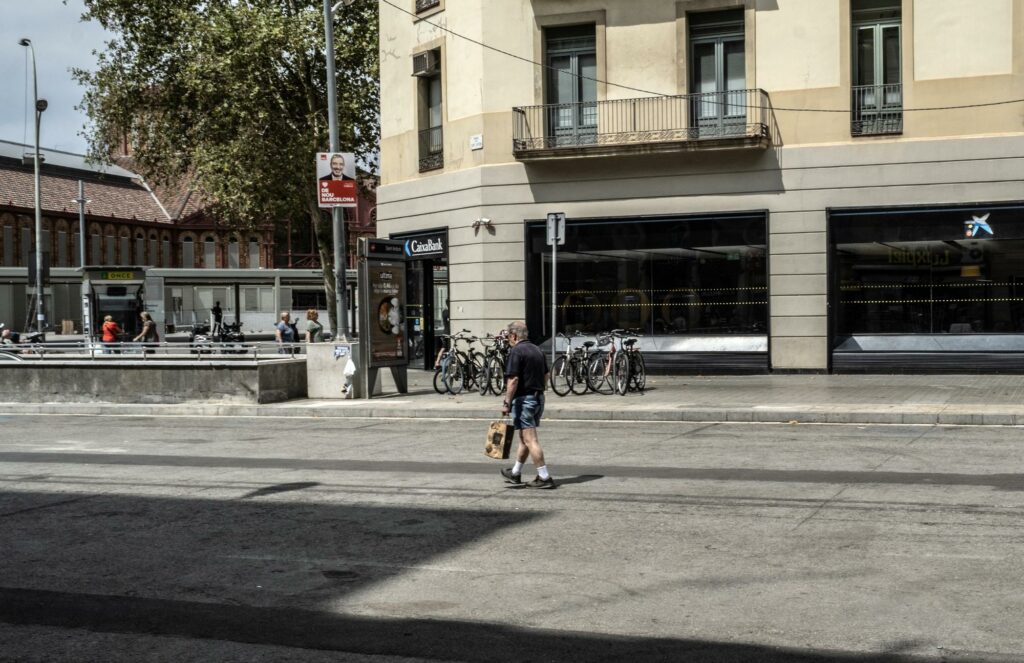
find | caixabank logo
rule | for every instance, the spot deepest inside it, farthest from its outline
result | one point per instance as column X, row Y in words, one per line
column 978, row 227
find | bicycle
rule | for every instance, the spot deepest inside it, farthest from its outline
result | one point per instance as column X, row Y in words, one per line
column 463, row 368
column 612, row 371
column 569, row 372
column 495, row 358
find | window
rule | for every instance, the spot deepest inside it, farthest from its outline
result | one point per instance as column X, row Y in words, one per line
column 8, row 246
column 686, row 275
column 718, row 73
column 26, row 246
column 877, row 103
column 140, row 249
column 254, row 253
column 62, row 249
column 928, row 271
column 188, row 253
column 427, row 67
column 76, row 249
column 233, row 253
column 305, row 299
column 424, row 5
column 258, row 299
column 167, row 253
column 126, row 251
column 209, row 253
column 571, row 88
column 154, row 253
column 96, row 249
column 111, row 244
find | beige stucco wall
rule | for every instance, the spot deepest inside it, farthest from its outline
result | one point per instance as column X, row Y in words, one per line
column 798, row 46
column 958, row 39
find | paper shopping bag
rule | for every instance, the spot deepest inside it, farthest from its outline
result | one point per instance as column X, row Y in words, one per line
column 499, row 439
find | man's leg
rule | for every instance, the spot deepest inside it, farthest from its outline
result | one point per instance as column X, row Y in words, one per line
column 528, row 438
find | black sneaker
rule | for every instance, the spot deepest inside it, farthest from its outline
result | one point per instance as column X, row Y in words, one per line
column 511, row 478
column 548, row 483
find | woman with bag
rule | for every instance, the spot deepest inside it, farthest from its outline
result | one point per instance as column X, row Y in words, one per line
column 149, row 334
column 110, row 333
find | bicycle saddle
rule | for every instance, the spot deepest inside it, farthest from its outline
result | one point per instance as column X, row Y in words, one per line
column 629, row 343
column 588, row 344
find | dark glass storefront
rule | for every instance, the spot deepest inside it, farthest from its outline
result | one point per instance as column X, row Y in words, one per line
column 694, row 285
column 931, row 288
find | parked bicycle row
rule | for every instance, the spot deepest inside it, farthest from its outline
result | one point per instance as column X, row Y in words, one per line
column 613, row 364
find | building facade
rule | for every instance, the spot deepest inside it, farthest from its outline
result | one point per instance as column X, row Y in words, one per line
column 786, row 185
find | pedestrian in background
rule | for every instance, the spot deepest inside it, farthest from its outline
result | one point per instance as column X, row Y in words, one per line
column 111, row 331
column 218, row 317
column 149, row 333
column 285, row 334
column 526, row 372
column 314, row 330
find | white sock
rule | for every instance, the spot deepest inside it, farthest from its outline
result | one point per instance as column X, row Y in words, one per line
column 542, row 472
column 517, row 468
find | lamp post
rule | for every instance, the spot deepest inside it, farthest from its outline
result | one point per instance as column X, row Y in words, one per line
column 337, row 213
column 40, row 106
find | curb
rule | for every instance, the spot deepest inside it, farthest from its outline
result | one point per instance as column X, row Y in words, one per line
column 939, row 415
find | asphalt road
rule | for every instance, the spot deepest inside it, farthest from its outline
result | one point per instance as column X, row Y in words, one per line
column 232, row 539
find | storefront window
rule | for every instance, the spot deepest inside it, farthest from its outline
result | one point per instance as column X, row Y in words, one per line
column 690, row 275
column 928, row 271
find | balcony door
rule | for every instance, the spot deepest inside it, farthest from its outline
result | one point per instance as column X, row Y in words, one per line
column 877, row 79
column 571, row 86
column 718, row 73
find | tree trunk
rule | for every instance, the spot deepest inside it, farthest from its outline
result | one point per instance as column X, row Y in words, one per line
column 325, row 247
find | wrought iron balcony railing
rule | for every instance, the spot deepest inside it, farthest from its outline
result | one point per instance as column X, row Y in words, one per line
column 424, row 5
column 876, row 110
column 737, row 118
column 431, row 149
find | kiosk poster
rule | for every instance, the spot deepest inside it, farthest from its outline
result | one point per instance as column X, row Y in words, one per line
column 336, row 179
column 387, row 302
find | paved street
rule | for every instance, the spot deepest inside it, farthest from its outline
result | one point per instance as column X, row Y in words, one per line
column 269, row 539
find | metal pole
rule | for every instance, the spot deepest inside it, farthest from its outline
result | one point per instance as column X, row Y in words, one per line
column 554, row 291
column 39, row 212
column 337, row 214
column 86, row 321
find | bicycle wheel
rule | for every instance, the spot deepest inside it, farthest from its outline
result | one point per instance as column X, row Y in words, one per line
column 483, row 382
column 455, row 377
column 598, row 378
column 638, row 375
column 439, row 385
column 620, row 373
column 561, row 376
column 496, row 376
column 579, row 375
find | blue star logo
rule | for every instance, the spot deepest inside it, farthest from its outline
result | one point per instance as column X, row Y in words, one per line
column 976, row 225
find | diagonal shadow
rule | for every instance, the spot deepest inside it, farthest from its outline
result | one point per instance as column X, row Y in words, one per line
column 432, row 639
column 1007, row 482
column 582, row 478
column 280, row 488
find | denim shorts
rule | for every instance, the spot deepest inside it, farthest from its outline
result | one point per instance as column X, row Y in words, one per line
column 526, row 411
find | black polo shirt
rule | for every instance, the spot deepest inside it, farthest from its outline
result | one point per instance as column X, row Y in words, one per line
column 527, row 363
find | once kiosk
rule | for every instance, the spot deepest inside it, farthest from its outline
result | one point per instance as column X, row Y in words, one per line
column 382, row 299
column 114, row 291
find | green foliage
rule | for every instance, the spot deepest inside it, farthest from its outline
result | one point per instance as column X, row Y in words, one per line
column 232, row 93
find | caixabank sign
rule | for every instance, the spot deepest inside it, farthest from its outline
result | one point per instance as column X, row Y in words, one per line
column 426, row 246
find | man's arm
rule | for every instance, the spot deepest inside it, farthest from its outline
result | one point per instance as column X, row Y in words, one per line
column 510, row 392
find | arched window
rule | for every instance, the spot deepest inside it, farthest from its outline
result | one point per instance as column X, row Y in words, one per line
column 140, row 249
column 233, row 253
column 254, row 252
column 209, row 253
column 188, row 253
column 154, row 249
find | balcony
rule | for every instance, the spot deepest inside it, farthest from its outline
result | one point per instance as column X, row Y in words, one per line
column 424, row 5
column 876, row 110
column 736, row 119
column 431, row 149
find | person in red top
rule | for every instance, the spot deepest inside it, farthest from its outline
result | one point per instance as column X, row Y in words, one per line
column 110, row 331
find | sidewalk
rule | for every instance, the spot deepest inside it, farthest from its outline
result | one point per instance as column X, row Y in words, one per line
column 857, row 399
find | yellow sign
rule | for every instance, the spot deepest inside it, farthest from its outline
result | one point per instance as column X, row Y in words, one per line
column 118, row 276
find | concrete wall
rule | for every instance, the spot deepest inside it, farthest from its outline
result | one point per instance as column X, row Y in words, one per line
column 152, row 382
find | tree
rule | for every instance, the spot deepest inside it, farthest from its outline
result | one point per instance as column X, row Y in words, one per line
column 232, row 95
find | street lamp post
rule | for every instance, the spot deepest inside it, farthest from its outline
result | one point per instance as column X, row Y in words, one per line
column 40, row 106
column 337, row 213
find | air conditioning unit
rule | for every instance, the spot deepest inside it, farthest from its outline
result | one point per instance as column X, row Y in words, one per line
column 426, row 64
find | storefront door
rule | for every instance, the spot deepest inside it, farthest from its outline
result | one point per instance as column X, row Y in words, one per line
column 427, row 254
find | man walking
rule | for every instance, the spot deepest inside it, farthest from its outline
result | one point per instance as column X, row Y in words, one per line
column 526, row 372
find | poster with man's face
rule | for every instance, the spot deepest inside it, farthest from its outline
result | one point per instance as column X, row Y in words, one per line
column 336, row 179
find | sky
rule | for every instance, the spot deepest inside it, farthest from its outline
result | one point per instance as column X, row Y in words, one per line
column 61, row 41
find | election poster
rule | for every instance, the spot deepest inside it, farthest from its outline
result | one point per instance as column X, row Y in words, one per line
column 336, row 179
